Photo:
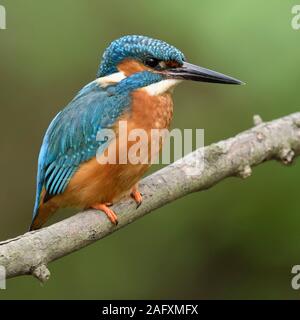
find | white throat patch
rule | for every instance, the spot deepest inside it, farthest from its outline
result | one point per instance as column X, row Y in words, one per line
column 155, row 89
column 111, row 79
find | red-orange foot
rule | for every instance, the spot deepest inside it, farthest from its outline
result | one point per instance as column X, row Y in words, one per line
column 104, row 207
column 137, row 196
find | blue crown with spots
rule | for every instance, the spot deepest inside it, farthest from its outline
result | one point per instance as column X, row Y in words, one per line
column 136, row 47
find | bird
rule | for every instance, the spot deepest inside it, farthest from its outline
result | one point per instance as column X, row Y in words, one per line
column 134, row 83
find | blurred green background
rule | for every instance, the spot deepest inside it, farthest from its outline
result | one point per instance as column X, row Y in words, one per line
column 238, row 240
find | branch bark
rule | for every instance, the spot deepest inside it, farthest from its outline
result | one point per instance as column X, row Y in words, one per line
column 279, row 139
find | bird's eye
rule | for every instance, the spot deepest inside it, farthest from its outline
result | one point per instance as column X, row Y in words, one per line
column 152, row 62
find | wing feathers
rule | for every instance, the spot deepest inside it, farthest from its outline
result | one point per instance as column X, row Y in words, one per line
column 71, row 137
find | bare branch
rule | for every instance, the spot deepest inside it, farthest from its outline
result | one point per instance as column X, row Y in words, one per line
column 279, row 139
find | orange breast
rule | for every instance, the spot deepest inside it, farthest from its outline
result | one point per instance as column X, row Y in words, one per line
column 94, row 182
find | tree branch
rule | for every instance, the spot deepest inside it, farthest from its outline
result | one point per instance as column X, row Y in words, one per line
column 279, row 139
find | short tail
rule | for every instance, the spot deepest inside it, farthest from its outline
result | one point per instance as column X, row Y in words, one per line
column 42, row 214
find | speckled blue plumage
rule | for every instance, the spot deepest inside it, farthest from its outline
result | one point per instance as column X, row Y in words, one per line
column 136, row 47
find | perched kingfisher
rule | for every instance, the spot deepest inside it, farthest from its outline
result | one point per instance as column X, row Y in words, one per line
column 134, row 83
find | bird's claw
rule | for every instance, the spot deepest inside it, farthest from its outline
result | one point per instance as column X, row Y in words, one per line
column 137, row 197
column 104, row 207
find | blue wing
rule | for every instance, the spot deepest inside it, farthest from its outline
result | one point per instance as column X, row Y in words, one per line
column 71, row 136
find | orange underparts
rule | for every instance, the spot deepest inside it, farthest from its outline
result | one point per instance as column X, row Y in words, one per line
column 95, row 185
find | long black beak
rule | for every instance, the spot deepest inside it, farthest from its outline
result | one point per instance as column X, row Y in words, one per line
column 190, row 71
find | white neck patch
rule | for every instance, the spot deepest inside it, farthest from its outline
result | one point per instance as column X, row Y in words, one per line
column 111, row 79
column 155, row 89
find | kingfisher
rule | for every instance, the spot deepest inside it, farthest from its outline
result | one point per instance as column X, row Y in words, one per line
column 134, row 83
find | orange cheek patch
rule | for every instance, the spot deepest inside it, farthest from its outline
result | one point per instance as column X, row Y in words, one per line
column 131, row 66
column 172, row 64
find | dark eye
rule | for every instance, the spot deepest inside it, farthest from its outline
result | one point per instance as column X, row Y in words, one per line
column 151, row 62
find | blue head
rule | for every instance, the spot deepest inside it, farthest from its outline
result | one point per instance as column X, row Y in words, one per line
column 145, row 50
column 154, row 60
